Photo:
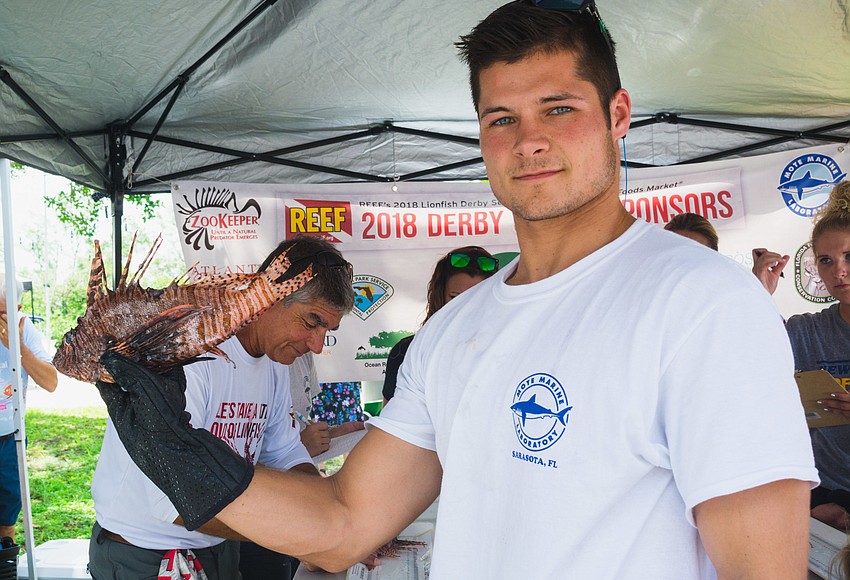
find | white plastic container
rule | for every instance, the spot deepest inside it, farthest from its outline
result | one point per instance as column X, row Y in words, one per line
column 58, row 560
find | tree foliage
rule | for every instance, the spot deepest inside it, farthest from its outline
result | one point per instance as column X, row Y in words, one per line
column 388, row 339
column 78, row 209
column 56, row 245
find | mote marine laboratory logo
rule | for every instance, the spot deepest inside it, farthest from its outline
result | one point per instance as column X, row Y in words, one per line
column 805, row 183
column 370, row 293
column 214, row 214
column 540, row 411
column 806, row 278
column 329, row 220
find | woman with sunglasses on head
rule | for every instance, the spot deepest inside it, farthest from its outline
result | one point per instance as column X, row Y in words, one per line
column 456, row 272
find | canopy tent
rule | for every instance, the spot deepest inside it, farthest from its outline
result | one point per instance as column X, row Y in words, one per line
column 122, row 97
column 125, row 98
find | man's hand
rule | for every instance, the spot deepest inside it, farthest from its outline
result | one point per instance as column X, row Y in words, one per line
column 316, row 438
column 198, row 472
column 768, row 266
column 4, row 330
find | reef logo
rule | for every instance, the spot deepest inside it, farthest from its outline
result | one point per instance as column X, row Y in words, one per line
column 329, row 220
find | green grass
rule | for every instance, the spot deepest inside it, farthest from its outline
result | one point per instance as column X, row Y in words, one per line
column 61, row 457
column 62, row 454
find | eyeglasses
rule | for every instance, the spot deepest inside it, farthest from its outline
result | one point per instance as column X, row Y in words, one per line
column 325, row 259
column 485, row 263
column 579, row 6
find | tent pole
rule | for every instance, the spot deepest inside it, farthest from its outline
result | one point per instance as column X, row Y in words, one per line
column 117, row 158
column 15, row 359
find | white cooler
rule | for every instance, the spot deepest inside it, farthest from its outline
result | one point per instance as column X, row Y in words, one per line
column 58, row 560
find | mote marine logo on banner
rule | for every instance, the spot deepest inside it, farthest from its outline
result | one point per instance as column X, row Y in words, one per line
column 214, row 214
column 805, row 183
column 370, row 293
column 806, row 278
column 540, row 413
column 330, row 220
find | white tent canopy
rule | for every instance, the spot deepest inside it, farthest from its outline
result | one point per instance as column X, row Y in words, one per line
column 296, row 91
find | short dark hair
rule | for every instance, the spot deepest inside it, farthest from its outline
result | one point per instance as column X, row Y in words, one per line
column 693, row 222
column 443, row 271
column 519, row 29
column 331, row 284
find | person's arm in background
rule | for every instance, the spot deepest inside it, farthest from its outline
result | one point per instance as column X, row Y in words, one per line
column 762, row 532
column 34, row 358
column 768, row 266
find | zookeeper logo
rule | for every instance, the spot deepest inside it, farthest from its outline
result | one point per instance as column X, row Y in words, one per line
column 806, row 278
column 540, row 414
column 805, row 183
column 214, row 214
column 326, row 219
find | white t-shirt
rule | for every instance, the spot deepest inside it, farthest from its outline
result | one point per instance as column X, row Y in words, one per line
column 248, row 407
column 580, row 419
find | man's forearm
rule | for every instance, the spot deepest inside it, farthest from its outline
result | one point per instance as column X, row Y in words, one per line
column 301, row 516
column 216, row 527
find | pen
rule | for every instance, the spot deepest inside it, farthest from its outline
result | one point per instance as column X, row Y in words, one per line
column 302, row 418
column 758, row 255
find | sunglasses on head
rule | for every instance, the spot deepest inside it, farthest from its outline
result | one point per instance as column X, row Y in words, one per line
column 578, row 6
column 484, row 263
column 325, row 259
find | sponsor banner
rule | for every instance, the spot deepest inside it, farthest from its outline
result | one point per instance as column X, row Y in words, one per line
column 393, row 234
column 716, row 195
column 392, row 238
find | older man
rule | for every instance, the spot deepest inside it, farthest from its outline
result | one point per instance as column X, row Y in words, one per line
column 246, row 404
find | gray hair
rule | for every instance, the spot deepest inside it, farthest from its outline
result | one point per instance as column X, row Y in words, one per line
column 19, row 288
column 332, row 278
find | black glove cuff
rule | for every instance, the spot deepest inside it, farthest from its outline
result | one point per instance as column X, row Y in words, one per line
column 194, row 523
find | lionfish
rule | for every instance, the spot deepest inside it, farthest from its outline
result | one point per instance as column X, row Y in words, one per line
column 175, row 325
column 394, row 547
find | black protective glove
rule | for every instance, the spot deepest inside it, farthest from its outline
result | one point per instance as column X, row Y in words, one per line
column 198, row 472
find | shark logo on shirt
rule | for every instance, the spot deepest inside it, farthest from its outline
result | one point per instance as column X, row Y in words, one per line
column 530, row 409
column 540, row 411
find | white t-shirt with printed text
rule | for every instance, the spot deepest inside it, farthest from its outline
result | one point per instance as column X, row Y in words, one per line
column 248, row 407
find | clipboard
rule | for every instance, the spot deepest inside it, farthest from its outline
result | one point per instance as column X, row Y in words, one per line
column 816, row 386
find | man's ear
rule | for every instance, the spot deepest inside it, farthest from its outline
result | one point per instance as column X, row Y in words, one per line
column 621, row 113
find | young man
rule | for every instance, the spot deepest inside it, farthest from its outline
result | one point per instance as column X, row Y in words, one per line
column 593, row 409
column 247, row 404
column 37, row 365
